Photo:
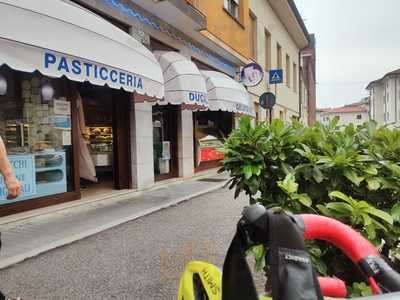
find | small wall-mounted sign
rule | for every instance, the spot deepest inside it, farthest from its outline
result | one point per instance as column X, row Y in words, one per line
column 276, row 76
column 251, row 74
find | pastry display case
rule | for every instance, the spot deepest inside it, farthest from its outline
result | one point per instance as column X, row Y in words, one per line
column 100, row 143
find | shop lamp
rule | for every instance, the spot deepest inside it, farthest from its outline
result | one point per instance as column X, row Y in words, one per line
column 47, row 91
column 3, row 85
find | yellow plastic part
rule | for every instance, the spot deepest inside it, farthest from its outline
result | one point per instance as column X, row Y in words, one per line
column 211, row 278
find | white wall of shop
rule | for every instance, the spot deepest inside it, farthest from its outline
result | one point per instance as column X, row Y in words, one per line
column 185, row 143
column 287, row 97
column 142, row 145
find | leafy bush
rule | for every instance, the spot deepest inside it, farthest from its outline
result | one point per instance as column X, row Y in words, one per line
column 349, row 173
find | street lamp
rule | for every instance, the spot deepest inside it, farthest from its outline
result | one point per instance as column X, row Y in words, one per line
column 47, row 91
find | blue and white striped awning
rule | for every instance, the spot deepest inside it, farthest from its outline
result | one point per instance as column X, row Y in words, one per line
column 226, row 94
column 59, row 39
column 183, row 82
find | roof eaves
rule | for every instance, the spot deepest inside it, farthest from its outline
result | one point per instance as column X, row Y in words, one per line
column 299, row 19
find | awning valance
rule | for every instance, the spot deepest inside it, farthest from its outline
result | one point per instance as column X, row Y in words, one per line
column 183, row 82
column 226, row 94
column 61, row 39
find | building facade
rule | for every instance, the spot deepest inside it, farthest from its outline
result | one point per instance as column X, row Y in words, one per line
column 143, row 99
column 385, row 99
column 355, row 113
column 137, row 92
column 277, row 37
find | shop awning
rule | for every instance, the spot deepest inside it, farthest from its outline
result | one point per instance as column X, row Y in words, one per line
column 183, row 82
column 62, row 39
column 226, row 94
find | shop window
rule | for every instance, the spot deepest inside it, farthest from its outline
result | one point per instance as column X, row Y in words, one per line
column 211, row 127
column 35, row 123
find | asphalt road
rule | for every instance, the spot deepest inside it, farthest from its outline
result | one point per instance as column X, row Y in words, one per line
column 142, row 259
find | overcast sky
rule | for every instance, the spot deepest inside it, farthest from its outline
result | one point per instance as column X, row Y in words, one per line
column 357, row 41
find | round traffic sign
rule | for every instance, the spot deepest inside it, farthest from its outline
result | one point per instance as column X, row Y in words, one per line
column 267, row 100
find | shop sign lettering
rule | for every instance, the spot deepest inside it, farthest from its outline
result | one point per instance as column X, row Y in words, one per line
column 241, row 108
column 197, row 97
column 24, row 170
column 67, row 65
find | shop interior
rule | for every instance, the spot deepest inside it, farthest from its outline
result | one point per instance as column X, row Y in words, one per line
column 165, row 136
column 104, row 127
column 210, row 129
column 97, row 133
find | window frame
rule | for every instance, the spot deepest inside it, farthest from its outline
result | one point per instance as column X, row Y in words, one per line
column 288, row 79
column 267, row 50
column 232, row 7
column 278, row 56
column 253, row 35
column 294, row 77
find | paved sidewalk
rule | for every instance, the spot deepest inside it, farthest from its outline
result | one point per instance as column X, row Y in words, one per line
column 29, row 236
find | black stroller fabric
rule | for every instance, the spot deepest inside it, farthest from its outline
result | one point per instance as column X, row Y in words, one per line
column 290, row 274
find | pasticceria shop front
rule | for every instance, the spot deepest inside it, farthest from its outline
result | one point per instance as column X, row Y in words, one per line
column 227, row 99
column 66, row 93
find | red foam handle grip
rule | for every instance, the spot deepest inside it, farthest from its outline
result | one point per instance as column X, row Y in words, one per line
column 352, row 243
column 332, row 287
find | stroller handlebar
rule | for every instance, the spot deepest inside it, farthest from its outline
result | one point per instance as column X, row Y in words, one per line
column 352, row 243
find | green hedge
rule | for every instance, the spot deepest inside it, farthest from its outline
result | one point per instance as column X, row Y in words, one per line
column 349, row 173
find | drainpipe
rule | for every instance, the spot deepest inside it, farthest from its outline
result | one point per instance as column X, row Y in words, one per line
column 395, row 99
column 299, row 85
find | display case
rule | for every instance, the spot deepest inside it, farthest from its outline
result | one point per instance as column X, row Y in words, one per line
column 50, row 169
column 100, row 143
column 16, row 135
column 210, row 148
column 41, row 174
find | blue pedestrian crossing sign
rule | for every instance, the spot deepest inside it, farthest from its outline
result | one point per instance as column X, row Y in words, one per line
column 275, row 76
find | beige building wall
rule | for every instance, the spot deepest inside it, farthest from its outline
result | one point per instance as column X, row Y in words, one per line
column 287, row 97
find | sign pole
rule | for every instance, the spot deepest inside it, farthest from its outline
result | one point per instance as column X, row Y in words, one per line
column 270, row 111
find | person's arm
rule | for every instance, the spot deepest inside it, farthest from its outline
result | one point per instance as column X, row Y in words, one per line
column 12, row 184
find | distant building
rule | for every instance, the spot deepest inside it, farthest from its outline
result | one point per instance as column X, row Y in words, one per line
column 385, row 99
column 356, row 113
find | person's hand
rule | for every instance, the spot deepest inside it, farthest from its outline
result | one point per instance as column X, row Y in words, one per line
column 13, row 187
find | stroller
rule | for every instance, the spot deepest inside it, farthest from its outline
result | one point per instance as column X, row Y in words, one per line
column 290, row 274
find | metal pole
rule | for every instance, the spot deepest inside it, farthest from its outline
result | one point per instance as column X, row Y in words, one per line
column 270, row 110
column 270, row 115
